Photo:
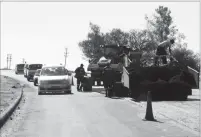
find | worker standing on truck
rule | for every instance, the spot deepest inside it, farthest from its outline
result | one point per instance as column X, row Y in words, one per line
column 162, row 50
column 79, row 74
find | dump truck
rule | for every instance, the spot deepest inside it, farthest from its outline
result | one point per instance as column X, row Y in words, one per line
column 137, row 76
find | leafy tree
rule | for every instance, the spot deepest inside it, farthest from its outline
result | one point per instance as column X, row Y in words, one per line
column 116, row 36
column 91, row 46
column 187, row 57
column 160, row 27
column 161, row 24
column 140, row 40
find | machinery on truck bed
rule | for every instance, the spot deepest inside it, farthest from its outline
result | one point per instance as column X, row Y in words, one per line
column 136, row 76
column 96, row 66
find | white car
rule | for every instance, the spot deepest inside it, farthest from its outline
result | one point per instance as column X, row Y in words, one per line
column 54, row 79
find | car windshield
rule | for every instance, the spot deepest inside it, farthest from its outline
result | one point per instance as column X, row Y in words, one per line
column 35, row 66
column 20, row 66
column 53, row 71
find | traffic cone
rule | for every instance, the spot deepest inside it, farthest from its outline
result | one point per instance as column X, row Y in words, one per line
column 72, row 81
column 149, row 113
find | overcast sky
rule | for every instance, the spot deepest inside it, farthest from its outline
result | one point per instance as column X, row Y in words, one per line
column 40, row 31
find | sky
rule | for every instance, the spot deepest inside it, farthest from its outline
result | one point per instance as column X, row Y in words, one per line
column 39, row 32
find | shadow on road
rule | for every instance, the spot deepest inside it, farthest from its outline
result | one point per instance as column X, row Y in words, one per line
column 170, row 100
column 193, row 99
column 153, row 121
column 57, row 94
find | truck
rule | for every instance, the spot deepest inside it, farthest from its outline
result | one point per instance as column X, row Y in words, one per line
column 135, row 75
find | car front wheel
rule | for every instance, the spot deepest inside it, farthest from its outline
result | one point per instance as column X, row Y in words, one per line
column 39, row 93
column 67, row 92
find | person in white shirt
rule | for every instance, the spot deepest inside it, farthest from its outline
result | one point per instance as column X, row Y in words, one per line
column 162, row 49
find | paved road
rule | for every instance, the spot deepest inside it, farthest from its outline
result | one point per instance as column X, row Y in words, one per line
column 83, row 115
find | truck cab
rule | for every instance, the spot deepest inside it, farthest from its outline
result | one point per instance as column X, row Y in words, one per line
column 31, row 70
column 19, row 68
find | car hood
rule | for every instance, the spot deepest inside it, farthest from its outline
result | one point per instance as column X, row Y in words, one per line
column 45, row 78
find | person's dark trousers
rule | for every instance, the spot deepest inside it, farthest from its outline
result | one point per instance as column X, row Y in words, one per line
column 81, row 83
column 164, row 59
column 161, row 52
column 78, row 84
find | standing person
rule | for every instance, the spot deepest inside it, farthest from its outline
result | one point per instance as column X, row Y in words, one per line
column 108, row 79
column 79, row 74
column 162, row 50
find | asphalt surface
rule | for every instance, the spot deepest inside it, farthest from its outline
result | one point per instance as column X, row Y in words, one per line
column 82, row 115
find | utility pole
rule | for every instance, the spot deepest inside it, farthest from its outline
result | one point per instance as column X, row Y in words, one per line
column 23, row 60
column 9, row 58
column 65, row 55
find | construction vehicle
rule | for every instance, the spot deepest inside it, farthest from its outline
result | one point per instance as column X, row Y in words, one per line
column 96, row 66
column 136, row 76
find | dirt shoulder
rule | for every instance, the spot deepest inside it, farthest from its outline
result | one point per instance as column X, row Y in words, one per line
column 10, row 89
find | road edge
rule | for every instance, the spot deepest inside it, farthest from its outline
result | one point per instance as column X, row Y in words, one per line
column 9, row 111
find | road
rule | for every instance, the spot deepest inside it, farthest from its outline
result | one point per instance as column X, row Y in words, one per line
column 83, row 115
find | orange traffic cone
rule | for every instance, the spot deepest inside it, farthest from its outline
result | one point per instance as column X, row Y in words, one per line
column 72, row 82
column 149, row 113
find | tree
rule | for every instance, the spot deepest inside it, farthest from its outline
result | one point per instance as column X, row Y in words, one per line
column 161, row 24
column 91, row 46
column 160, row 27
column 117, row 36
column 187, row 57
column 140, row 40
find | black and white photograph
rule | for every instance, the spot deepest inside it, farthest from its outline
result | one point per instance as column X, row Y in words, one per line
column 100, row 69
